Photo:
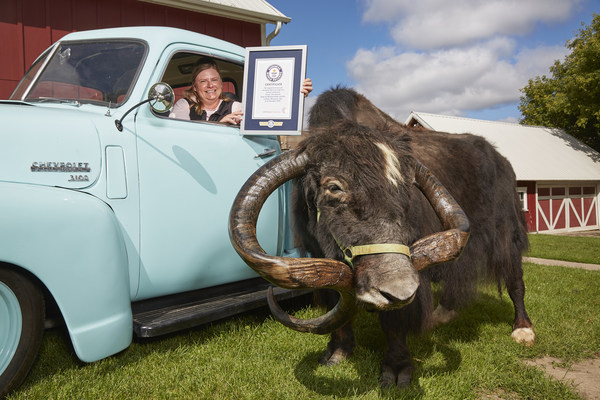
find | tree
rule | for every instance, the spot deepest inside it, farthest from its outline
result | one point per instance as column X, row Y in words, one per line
column 570, row 98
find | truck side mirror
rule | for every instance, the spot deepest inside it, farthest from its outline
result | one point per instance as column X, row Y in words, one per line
column 160, row 97
column 164, row 95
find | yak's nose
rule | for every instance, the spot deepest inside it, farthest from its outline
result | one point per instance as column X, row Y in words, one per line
column 386, row 281
column 397, row 300
column 400, row 291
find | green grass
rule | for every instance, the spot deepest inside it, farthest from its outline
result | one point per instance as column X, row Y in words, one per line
column 254, row 357
column 566, row 248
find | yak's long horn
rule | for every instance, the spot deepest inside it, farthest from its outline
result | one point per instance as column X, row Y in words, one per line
column 446, row 245
column 291, row 273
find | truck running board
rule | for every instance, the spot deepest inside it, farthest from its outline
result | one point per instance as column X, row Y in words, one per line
column 160, row 316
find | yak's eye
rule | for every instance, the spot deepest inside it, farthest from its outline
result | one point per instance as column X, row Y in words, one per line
column 333, row 188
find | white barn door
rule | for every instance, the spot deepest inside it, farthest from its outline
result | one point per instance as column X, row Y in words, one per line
column 567, row 207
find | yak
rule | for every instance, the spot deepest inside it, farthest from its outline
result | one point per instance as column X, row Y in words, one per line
column 384, row 210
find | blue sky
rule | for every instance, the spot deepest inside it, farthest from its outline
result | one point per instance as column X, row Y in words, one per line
column 460, row 57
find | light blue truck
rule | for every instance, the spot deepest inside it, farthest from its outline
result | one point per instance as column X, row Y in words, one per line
column 114, row 232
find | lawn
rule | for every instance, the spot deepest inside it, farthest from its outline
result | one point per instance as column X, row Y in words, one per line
column 567, row 248
column 254, row 357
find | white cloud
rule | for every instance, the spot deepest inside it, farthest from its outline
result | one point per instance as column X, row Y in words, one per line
column 466, row 53
column 510, row 120
column 431, row 24
column 448, row 81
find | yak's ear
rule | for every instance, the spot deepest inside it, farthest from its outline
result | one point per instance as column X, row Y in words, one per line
column 304, row 210
column 304, row 198
column 310, row 195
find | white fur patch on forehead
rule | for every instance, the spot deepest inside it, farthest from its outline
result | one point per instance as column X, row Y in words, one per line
column 392, row 165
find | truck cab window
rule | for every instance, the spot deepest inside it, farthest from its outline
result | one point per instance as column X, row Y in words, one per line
column 101, row 73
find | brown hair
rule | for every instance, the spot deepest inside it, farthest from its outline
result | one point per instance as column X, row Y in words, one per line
column 201, row 65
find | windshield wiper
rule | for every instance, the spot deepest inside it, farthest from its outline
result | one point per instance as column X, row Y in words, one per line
column 76, row 103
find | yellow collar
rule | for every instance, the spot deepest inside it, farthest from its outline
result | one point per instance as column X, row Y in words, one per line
column 352, row 251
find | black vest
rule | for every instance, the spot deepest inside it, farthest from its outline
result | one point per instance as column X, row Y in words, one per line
column 223, row 110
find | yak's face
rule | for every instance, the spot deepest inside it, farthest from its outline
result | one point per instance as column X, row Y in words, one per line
column 362, row 196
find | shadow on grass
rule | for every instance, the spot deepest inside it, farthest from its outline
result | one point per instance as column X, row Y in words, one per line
column 307, row 373
column 57, row 354
column 442, row 341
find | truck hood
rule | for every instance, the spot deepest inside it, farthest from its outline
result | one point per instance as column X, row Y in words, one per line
column 48, row 145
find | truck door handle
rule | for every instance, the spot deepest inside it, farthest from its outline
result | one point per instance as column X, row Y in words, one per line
column 266, row 153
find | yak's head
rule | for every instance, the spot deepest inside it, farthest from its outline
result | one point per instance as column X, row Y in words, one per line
column 353, row 204
column 354, row 208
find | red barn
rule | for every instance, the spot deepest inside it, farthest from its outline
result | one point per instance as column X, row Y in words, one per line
column 558, row 177
column 28, row 27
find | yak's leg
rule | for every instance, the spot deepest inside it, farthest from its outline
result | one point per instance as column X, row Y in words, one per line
column 456, row 289
column 341, row 343
column 522, row 326
column 397, row 367
column 442, row 316
column 340, row 347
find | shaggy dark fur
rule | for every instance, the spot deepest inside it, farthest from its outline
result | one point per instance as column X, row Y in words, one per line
column 344, row 129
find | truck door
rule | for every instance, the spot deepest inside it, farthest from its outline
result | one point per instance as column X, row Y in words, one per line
column 189, row 174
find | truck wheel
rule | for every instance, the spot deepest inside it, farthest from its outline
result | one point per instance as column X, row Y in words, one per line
column 21, row 328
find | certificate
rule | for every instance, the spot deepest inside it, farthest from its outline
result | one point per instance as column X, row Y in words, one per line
column 273, row 90
column 272, row 102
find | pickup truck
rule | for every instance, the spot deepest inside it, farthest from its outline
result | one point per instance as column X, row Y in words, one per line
column 113, row 216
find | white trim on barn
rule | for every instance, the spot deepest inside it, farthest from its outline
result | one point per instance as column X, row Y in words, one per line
column 254, row 11
column 558, row 177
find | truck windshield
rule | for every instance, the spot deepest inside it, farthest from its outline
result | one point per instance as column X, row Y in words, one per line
column 100, row 73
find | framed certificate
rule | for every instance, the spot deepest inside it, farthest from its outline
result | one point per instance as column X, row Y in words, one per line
column 272, row 102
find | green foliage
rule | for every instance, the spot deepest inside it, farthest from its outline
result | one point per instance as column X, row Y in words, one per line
column 570, row 98
column 566, row 248
column 254, row 357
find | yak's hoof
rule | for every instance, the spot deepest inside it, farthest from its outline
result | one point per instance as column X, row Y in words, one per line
column 523, row 335
column 330, row 358
column 402, row 379
column 442, row 316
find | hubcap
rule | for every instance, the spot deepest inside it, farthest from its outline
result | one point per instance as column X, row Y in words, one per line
column 11, row 324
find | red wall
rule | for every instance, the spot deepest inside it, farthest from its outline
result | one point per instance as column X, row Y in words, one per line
column 28, row 27
column 530, row 214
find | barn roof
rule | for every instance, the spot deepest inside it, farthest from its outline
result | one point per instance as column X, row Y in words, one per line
column 256, row 11
column 536, row 153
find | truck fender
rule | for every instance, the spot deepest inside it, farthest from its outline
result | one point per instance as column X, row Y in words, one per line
column 72, row 242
